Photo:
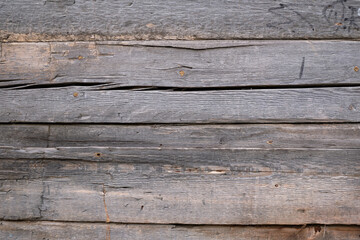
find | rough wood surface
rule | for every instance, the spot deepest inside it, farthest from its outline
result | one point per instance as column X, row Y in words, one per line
column 85, row 231
column 82, row 104
column 189, row 186
column 34, row 20
column 180, row 64
column 267, row 136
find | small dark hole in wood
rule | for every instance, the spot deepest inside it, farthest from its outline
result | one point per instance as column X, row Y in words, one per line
column 276, row 185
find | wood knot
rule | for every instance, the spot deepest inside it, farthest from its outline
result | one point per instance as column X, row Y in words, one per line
column 270, row 142
column 80, row 57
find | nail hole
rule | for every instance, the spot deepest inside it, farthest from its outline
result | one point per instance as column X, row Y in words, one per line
column 317, row 229
column 356, row 68
column 80, row 57
column 76, row 94
column 270, row 142
column 98, row 154
column 276, row 185
column 182, row 73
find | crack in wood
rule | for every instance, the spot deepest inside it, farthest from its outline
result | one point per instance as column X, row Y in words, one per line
column 105, row 207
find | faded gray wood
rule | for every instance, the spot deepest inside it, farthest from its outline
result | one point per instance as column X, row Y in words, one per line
column 82, row 104
column 24, row 135
column 85, row 231
column 189, row 186
column 180, row 64
column 334, row 136
column 300, row 160
column 34, row 20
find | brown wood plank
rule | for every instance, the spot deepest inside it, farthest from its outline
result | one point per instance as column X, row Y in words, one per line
column 85, row 231
column 37, row 20
column 180, row 64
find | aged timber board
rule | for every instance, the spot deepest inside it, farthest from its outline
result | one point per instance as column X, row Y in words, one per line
column 181, row 64
column 85, row 231
column 91, row 105
column 34, row 20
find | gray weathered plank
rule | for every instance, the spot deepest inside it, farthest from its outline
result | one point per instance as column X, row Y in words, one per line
column 335, row 136
column 188, row 186
column 85, row 231
column 181, row 64
column 82, row 104
column 300, row 160
column 34, row 20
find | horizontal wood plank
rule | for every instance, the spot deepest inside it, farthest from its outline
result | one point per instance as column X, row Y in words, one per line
column 85, row 231
column 311, row 161
column 187, row 186
column 83, row 105
column 267, row 136
column 34, row 20
column 180, row 64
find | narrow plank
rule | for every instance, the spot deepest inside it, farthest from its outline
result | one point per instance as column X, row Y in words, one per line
column 36, row 20
column 85, row 231
column 209, row 136
column 292, row 187
column 268, row 136
column 77, row 105
column 181, row 64
column 302, row 160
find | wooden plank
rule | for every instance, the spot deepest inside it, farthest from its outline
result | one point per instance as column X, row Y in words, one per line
column 181, row 64
column 237, row 159
column 268, row 136
column 187, row 186
column 24, row 135
column 82, row 104
column 34, row 20
column 85, row 231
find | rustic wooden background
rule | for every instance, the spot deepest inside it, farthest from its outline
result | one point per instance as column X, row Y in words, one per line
column 192, row 119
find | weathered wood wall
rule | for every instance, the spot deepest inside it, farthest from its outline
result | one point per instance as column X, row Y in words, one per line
column 112, row 126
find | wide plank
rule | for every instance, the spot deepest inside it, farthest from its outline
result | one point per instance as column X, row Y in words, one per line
column 329, row 136
column 86, row 105
column 186, row 186
column 180, row 64
column 38, row 20
column 85, row 231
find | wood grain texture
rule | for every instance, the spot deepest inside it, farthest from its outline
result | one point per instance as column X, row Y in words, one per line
column 83, row 105
column 34, row 20
column 267, row 136
column 85, row 231
column 180, row 64
column 187, row 186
